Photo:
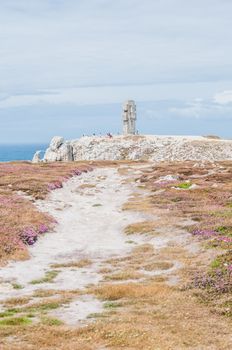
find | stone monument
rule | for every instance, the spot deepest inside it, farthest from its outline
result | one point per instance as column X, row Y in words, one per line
column 129, row 118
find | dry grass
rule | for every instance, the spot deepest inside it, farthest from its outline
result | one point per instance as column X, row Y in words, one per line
column 75, row 264
column 124, row 275
column 130, row 290
column 43, row 306
column 146, row 227
column 152, row 315
column 161, row 265
column 16, row 301
column 138, row 204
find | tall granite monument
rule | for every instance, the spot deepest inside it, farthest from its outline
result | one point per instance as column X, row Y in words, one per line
column 129, row 118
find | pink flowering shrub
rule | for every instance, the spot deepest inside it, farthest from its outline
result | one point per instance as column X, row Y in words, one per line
column 29, row 236
column 20, row 221
column 43, row 228
column 209, row 207
column 55, row 185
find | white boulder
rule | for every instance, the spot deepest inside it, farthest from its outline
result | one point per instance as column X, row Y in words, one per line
column 56, row 142
column 59, row 151
column 37, row 157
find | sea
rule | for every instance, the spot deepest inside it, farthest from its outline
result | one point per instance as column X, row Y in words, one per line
column 20, row 152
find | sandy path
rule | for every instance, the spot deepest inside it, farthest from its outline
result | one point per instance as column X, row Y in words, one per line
column 90, row 225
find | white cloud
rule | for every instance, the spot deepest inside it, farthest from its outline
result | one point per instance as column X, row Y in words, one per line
column 58, row 44
column 97, row 95
column 58, row 53
column 201, row 109
column 223, row 97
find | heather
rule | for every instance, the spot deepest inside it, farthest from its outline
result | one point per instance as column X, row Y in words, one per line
column 200, row 193
column 144, row 296
column 37, row 179
column 21, row 223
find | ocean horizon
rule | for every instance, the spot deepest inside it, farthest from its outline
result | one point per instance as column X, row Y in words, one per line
column 20, row 152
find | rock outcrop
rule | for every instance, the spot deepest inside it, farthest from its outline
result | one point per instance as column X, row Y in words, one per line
column 59, row 150
column 155, row 148
column 37, row 157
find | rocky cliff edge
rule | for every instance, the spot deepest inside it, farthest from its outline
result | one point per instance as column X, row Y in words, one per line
column 149, row 147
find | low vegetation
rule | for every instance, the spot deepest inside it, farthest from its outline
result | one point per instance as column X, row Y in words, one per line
column 190, row 201
column 21, row 183
column 207, row 209
column 74, row 264
column 48, row 278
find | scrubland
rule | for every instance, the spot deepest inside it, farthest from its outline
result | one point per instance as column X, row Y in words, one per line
column 21, row 184
column 172, row 291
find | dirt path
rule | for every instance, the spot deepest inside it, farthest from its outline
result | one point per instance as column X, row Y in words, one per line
column 88, row 267
column 90, row 230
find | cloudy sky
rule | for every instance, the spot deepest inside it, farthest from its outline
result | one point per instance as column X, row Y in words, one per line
column 66, row 66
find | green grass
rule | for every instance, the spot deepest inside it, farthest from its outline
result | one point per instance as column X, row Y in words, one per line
column 226, row 230
column 30, row 311
column 48, row 278
column 97, row 205
column 17, row 286
column 15, row 321
column 111, row 305
column 8, row 313
column 215, row 264
column 184, row 185
column 40, row 308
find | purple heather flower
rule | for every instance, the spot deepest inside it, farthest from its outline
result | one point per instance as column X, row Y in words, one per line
column 29, row 236
column 43, row 228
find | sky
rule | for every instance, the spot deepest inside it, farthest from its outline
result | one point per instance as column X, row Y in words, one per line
column 66, row 67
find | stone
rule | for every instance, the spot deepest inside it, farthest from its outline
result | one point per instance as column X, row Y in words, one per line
column 37, row 157
column 147, row 147
column 129, row 118
column 59, row 151
column 56, row 142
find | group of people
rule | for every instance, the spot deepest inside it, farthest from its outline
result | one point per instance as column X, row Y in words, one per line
column 108, row 135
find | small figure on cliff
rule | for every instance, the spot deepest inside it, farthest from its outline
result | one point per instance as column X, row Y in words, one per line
column 129, row 118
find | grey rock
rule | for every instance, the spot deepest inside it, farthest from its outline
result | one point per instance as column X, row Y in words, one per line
column 129, row 118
